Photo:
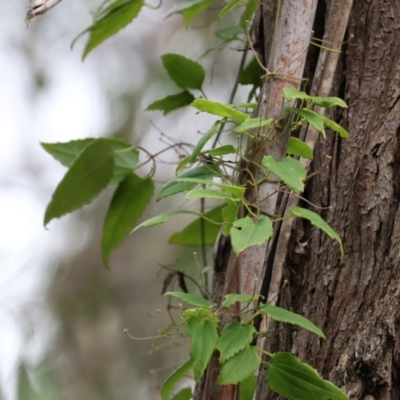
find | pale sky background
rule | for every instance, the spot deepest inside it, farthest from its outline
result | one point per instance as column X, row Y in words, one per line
column 75, row 103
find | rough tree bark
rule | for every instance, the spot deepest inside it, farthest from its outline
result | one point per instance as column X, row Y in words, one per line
column 356, row 303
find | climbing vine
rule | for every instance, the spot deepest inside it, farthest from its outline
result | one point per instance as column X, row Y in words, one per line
column 214, row 170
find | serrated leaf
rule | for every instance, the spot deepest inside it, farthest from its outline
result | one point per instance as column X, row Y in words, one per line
column 248, row 388
column 191, row 299
column 336, row 127
column 229, row 7
column 230, row 33
column 289, row 170
column 291, row 378
column 127, row 205
column 209, row 194
column 245, row 233
column 172, row 102
column 239, row 367
column 202, row 142
column 282, row 315
column 248, row 13
column 253, row 123
column 115, row 17
column 189, row 9
column 183, row 394
column 251, row 74
column 204, row 335
column 161, row 218
column 314, row 119
column 191, row 234
column 237, row 191
column 125, row 155
column 186, row 73
column 291, row 93
column 87, row 177
column 223, row 150
column 214, row 108
column 231, row 299
column 299, row 148
column 229, row 215
column 317, row 221
column 174, row 378
column 234, row 338
column 174, row 186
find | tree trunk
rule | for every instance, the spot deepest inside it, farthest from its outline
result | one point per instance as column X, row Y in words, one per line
column 356, row 303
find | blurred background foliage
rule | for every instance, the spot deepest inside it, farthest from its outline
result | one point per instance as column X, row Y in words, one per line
column 62, row 313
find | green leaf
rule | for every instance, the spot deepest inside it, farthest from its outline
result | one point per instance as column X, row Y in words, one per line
column 251, row 74
column 229, row 215
column 204, row 335
column 223, row 150
column 336, row 127
column 182, row 164
column 291, row 93
column 186, row 73
column 127, row 205
column 184, row 394
column 229, row 7
column 203, row 313
column 237, row 191
column 209, row 194
column 161, row 218
column 191, row 234
column 87, row 177
column 230, row 33
column 245, row 233
column 191, row 299
column 328, row 102
column 253, row 123
column 174, row 378
column 291, row 378
column 248, row 13
column 317, row 221
column 115, row 17
column 234, row 338
column 204, row 139
column 174, row 186
column 289, row 170
column 282, row 315
column 125, row 155
column 212, row 107
column 172, row 102
column 299, row 148
column 189, row 9
column 248, row 388
column 231, row 299
column 239, row 367
column 314, row 119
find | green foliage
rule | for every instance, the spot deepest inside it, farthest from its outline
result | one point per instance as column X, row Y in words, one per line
column 245, row 233
column 127, row 205
column 172, row 102
column 317, row 221
column 191, row 235
column 289, row 170
column 282, row 315
column 186, row 73
column 111, row 20
column 94, row 164
column 291, row 378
